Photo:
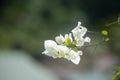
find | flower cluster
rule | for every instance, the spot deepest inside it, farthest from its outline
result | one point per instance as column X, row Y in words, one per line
column 67, row 46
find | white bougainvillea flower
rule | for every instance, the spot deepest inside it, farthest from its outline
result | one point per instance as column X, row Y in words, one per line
column 61, row 40
column 59, row 51
column 79, row 33
column 54, row 50
column 67, row 46
column 50, row 48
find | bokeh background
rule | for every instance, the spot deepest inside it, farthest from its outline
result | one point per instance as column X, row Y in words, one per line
column 25, row 24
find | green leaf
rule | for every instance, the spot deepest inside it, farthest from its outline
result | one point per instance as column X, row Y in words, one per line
column 118, row 68
column 116, row 76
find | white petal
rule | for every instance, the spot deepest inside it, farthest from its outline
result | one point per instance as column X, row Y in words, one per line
column 79, row 31
column 83, row 30
column 74, row 57
column 63, row 50
column 70, row 36
column 87, row 39
column 80, row 43
column 49, row 43
column 61, row 36
column 47, row 53
column 51, row 48
column 60, row 39
column 76, row 60
column 66, row 36
column 79, row 23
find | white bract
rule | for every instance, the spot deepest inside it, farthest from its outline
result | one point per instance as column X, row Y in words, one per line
column 75, row 56
column 79, row 33
column 67, row 46
column 50, row 48
column 59, row 51
column 61, row 40
column 69, row 54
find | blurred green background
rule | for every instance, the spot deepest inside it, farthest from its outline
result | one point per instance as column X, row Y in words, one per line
column 25, row 24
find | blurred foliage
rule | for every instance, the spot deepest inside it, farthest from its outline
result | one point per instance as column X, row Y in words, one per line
column 117, row 74
column 25, row 24
column 114, row 35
